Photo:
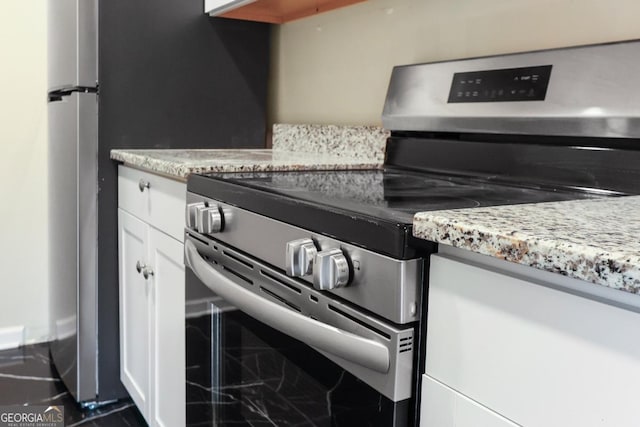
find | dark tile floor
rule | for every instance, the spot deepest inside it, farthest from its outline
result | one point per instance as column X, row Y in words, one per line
column 27, row 377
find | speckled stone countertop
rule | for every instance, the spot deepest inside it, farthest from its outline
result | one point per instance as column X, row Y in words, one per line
column 295, row 147
column 181, row 163
column 597, row 240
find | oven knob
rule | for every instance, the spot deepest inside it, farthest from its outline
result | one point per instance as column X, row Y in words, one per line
column 209, row 220
column 300, row 254
column 330, row 270
column 191, row 213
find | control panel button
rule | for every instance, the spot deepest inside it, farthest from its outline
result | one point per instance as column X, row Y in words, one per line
column 300, row 256
column 330, row 270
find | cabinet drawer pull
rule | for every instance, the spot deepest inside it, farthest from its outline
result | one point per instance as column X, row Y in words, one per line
column 146, row 272
column 142, row 184
column 140, row 266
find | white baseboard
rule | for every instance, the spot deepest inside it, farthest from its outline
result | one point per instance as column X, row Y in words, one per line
column 66, row 327
column 11, row 337
column 37, row 334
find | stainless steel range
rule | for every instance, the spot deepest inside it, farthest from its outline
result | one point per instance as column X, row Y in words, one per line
column 306, row 290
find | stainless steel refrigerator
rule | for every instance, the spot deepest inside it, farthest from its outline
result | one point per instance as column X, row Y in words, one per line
column 123, row 74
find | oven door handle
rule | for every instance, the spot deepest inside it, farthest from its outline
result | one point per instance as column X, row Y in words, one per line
column 362, row 351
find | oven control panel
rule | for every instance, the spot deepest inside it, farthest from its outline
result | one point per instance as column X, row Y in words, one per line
column 389, row 287
column 505, row 85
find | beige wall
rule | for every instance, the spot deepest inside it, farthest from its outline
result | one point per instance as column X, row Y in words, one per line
column 334, row 67
column 23, row 169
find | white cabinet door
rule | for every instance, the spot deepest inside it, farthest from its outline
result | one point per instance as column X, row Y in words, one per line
column 539, row 356
column 167, row 332
column 134, row 309
column 442, row 406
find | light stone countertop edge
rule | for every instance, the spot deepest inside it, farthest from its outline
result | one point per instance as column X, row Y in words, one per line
column 170, row 163
column 594, row 240
column 295, row 147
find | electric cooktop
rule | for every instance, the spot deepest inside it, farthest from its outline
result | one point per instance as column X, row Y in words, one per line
column 362, row 206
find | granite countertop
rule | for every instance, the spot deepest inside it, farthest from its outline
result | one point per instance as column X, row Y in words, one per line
column 596, row 240
column 295, row 147
column 182, row 163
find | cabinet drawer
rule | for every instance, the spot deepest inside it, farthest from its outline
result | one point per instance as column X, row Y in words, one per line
column 444, row 407
column 536, row 355
column 160, row 204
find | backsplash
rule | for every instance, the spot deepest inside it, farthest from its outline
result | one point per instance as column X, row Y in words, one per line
column 362, row 142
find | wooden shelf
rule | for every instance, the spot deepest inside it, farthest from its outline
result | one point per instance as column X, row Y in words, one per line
column 281, row 11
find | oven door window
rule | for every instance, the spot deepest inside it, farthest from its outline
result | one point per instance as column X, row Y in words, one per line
column 243, row 372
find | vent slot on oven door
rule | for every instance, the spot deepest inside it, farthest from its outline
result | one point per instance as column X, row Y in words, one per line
column 406, row 344
column 280, row 299
column 298, row 296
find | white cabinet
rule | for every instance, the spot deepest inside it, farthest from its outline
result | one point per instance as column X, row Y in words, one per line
column 531, row 346
column 217, row 7
column 152, row 343
column 134, row 309
column 167, row 331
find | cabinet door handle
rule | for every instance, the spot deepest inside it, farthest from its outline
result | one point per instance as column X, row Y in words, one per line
column 142, row 184
column 140, row 266
column 146, row 272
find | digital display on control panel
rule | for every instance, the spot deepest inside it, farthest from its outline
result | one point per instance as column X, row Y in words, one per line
column 506, row 85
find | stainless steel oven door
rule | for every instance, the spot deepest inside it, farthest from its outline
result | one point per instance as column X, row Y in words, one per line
column 263, row 348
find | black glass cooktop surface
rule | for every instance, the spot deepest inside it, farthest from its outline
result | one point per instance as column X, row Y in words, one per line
column 394, row 194
column 373, row 209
